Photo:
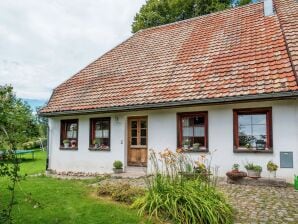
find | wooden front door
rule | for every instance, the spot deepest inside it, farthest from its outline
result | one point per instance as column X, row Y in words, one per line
column 137, row 141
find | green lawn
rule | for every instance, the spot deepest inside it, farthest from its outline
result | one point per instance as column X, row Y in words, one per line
column 47, row 200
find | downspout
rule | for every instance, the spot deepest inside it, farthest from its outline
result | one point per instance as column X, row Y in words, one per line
column 48, row 148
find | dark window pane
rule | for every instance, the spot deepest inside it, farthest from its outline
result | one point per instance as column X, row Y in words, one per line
column 199, row 120
column 200, row 140
column 134, row 141
column 259, row 119
column 143, row 124
column 134, row 124
column 143, row 141
column 134, row 132
column 144, row 132
column 105, row 124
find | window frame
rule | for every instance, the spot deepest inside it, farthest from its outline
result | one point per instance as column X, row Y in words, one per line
column 253, row 111
column 92, row 133
column 182, row 115
column 63, row 134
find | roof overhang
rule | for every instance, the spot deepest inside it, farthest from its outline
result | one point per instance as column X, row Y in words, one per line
column 176, row 104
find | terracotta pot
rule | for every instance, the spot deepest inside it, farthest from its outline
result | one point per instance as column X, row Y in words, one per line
column 236, row 175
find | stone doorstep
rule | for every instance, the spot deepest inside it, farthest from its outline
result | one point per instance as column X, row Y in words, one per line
column 270, row 182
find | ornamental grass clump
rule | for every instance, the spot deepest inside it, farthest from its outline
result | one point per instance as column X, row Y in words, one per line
column 173, row 197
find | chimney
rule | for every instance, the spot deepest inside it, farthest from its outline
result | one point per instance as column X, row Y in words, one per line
column 268, row 8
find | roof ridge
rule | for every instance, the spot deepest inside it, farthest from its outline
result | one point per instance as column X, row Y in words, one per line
column 199, row 17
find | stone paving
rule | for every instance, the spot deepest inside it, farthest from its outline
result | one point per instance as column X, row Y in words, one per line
column 259, row 204
column 252, row 204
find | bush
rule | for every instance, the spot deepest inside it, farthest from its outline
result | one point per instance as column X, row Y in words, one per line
column 118, row 164
column 173, row 197
column 121, row 192
column 34, row 144
column 251, row 166
column 191, row 201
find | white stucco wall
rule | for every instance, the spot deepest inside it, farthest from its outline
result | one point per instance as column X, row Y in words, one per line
column 162, row 133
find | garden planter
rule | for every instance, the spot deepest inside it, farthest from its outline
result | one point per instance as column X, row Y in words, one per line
column 66, row 145
column 236, row 175
column 196, row 146
column 185, row 147
column 117, row 170
column 253, row 174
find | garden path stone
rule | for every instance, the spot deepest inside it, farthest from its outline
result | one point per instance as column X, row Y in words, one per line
column 262, row 204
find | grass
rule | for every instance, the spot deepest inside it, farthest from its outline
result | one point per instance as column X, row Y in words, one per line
column 42, row 199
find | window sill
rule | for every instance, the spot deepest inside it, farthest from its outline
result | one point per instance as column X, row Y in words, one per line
column 69, row 148
column 194, row 150
column 99, row 149
column 253, row 151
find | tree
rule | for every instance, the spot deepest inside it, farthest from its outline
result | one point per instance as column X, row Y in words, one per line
column 17, row 125
column 243, row 2
column 16, row 118
column 159, row 12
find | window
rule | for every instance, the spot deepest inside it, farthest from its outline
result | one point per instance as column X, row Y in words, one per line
column 100, row 133
column 69, row 134
column 253, row 130
column 193, row 131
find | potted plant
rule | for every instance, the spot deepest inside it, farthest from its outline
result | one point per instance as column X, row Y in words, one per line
column 253, row 171
column 73, row 143
column 118, row 166
column 66, row 143
column 235, row 167
column 272, row 168
column 96, row 143
column 196, row 146
column 185, row 144
column 235, row 174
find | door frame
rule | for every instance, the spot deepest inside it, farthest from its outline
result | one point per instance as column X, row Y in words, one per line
column 128, row 138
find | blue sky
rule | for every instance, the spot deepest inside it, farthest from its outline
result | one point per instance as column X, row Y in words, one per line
column 35, row 103
column 43, row 43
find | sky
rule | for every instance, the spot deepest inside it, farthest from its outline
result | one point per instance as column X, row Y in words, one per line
column 45, row 42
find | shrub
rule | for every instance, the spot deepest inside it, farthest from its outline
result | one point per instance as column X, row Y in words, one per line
column 118, row 164
column 173, row 197
column 251, row 166
column 271, row 166
column 191, row 201
column 121, row 192
column 34, row 144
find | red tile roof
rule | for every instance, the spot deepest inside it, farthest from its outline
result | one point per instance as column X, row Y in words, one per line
column 236, row 52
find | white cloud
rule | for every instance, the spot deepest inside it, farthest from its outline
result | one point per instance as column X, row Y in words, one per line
column 45, row 42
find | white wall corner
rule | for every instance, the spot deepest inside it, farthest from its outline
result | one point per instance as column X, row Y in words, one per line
column 268, row 8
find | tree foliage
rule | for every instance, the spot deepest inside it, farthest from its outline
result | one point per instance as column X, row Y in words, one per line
column 17, row 125
column 159, row 12
column 16, row 119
